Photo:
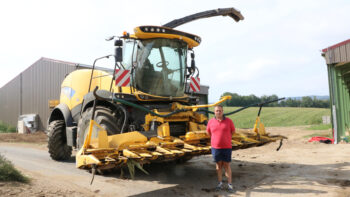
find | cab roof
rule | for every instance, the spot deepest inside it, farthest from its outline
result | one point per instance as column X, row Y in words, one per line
column 147, row 32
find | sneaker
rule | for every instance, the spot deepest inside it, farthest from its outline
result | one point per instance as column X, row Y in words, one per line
column 230, row 188
column 219, row 187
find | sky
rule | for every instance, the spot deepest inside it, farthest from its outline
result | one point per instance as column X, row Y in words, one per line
column 276, row 49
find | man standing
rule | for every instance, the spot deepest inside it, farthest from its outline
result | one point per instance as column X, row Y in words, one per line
column 220, row 130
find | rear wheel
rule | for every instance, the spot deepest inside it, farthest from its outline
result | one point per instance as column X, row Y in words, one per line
column 105, row 117
column 58, row 148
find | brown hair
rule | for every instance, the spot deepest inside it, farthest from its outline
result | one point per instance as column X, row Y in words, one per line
column 219, row 106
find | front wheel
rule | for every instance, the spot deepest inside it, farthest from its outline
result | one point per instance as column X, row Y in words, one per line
column 105, row 117
column 58, row 148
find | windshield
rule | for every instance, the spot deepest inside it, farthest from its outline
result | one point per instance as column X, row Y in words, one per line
column 161, row 67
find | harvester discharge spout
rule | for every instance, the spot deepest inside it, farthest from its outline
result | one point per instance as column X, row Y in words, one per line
column 231, row 12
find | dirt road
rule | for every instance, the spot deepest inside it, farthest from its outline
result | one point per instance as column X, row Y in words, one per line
column 300, row 168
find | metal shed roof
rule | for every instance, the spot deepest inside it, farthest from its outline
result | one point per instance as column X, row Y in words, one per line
column 337, row 53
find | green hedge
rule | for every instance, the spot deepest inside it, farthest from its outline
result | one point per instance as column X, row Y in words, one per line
column 5, row 128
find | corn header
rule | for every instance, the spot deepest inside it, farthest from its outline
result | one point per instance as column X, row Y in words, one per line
column 101, row 151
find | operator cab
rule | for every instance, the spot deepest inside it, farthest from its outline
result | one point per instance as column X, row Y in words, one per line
column 157, row 57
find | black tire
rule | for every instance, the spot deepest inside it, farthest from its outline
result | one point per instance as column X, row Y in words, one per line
column 58, row 148
column 111, row 122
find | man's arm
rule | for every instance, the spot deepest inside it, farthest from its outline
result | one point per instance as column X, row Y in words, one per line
column 233, row 129
column 208, row 129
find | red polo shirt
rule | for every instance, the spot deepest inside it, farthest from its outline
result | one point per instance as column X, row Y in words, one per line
column 221, row 132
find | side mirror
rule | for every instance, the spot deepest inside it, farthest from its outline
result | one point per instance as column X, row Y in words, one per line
column 118, row 50
column 192, row 68
column 119, row 54
column 193, row 63
column 118, row 43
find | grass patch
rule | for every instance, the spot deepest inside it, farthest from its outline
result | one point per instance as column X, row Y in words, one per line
column 9, row 173
column 320, row 127
column 5, row 128
column 277, row 116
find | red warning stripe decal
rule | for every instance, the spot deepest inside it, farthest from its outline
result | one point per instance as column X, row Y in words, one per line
column 195, row 84
column 122, row 77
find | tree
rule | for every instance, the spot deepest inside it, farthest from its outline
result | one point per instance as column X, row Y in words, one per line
column 271, row 98
column 306, row 101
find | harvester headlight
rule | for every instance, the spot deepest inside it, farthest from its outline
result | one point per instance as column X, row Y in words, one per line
column 163, row 30
column 197, row 39
column 152, row 29
column 158, row 30
column 146, row 28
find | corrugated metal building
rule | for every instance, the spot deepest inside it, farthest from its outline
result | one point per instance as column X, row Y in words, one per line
column 338, row 64
column 31, row 90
